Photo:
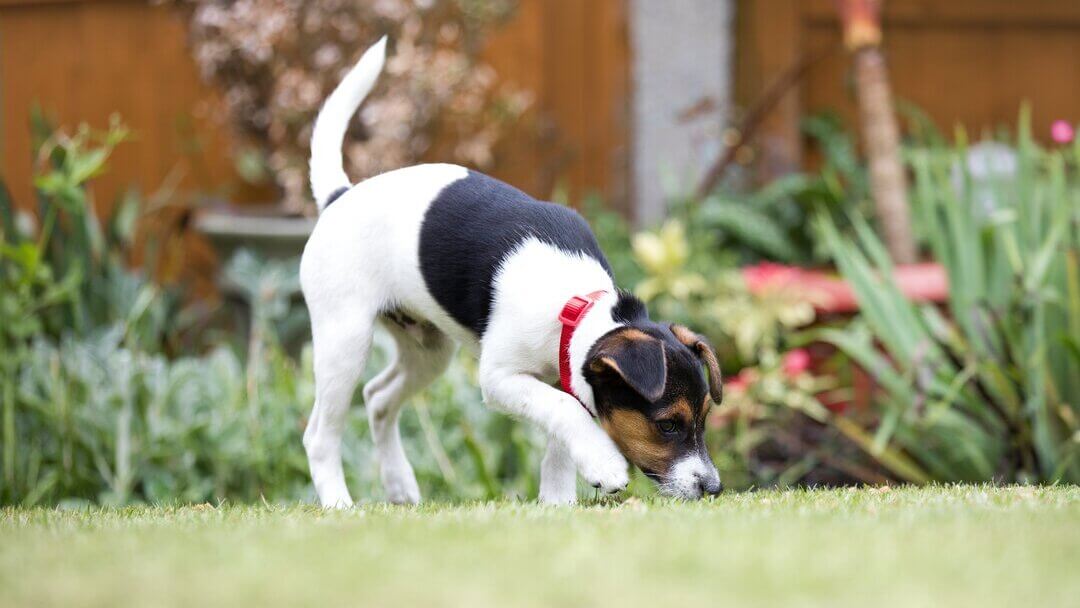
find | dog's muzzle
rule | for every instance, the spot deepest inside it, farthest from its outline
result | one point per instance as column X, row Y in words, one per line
column 691, row 478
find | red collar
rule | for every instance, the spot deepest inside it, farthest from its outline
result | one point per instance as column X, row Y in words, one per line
column 572, row 313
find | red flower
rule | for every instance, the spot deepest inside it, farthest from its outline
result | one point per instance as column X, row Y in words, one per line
column 1062, row 132
column 796, row 362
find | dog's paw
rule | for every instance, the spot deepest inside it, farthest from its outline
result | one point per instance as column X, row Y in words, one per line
column 558, row 499
column 338, row 502
column 610, row 476
column 401, row 487
column 561, row 493
column 600, row 463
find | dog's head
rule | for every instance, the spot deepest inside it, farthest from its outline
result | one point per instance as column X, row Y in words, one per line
column 652, row 396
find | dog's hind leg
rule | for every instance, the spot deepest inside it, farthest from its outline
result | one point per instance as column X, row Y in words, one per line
column 422, row 353
column 341, row 348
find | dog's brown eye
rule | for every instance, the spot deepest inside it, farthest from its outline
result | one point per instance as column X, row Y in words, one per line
column 668, row 427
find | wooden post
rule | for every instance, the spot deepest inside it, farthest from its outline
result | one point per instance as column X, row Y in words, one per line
column 862, row 37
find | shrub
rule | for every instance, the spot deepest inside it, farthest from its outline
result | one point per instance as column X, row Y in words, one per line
column 989, row 390
column 771, row 428
column 277, row 60
column 90, row 252
column 93, row 407
column 92, row 420
column 773, row 222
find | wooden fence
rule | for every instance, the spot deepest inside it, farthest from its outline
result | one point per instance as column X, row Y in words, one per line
column 970, row 62
column 82, row 60
column 965, row 62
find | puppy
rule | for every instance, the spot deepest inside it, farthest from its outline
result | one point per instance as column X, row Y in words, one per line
column 439, row 256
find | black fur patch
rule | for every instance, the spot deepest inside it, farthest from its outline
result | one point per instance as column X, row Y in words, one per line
column 629, row 309
column 336, row 194
column 473, row 225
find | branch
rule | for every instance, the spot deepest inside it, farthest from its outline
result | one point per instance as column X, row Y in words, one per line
column 757, row 114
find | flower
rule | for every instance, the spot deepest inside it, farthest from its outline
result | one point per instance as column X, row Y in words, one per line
column 1062, row 132
column 796, row 362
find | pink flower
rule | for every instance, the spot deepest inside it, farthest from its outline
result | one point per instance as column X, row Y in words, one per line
column 796, row 362
column 1062, row 132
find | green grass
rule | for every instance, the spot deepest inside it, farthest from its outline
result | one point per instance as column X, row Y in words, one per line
column 955, row 546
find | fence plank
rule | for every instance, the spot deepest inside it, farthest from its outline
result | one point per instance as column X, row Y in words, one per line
column 965, row 62
column 83, row 60
column 574, row 57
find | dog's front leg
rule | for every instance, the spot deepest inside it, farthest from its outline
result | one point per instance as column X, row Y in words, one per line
column 563, row 419
column 558, row 476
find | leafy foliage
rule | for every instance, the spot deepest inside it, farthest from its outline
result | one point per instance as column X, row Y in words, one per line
column 89, row 254
column 96, row 406
column 773, row 222
column 68, row 278
column 769, row 429
column 97, row 421
column 991, row 389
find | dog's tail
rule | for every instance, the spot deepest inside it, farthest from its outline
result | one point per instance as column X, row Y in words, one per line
column 328, row 178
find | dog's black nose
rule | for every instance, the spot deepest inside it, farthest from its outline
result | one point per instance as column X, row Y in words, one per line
column 709, row 485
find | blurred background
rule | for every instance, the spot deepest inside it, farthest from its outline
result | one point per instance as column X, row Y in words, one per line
column 870, row 208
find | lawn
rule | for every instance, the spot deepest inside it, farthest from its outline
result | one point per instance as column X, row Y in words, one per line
column 955, row 546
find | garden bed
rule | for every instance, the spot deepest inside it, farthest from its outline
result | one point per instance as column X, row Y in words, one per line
column 945, row 546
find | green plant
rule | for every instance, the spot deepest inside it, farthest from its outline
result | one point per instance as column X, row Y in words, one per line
column 614, row 234
column 92, row 420
column 65, row 279
column 269, row 290
column 687, row 281
column 93, row 409
column 28, row 289
column 989, row 390
column 773, row 222
column 98, row 419
column 75, row 241
column 771, row 429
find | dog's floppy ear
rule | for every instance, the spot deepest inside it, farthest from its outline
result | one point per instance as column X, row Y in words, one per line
column 634, row 356
column 707, row 355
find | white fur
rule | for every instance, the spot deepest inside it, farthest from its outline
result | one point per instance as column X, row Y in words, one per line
column 363, row 258
column 520, row 352
column 558, row 475
column 689, row 477
column 327, row 165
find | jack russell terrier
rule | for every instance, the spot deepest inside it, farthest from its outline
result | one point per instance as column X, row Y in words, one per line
column 440, row 255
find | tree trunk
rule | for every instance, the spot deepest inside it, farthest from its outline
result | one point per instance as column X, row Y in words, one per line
column 881, row 137
column 862, row 35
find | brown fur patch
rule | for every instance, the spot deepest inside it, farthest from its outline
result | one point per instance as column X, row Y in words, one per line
column 681, row 409
column 684, row 335
column 639, row 440
column 609, row 362
column 708, row 357
column 635, row 335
